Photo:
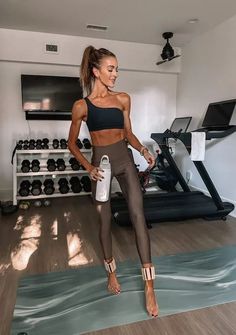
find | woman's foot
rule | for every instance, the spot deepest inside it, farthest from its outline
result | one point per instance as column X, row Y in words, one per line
column 113, row 285
column 151, row 304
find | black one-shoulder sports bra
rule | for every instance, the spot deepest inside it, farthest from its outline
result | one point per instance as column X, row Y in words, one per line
column 99, row 118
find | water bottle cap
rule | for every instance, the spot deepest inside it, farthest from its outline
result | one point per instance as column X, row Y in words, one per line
column 105, row 159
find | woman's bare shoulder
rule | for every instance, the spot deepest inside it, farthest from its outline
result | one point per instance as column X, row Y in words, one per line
column 79, row 108
column 123, row 97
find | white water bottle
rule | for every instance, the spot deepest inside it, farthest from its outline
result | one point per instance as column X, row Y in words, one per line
column 103, row 186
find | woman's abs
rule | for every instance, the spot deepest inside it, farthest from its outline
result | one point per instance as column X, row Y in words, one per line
column 106, row 136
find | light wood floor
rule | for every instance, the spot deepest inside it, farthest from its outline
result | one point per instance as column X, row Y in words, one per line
column 55, row 238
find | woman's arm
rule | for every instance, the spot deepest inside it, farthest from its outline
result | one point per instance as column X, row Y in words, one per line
column 131, row 138
column 78, row 113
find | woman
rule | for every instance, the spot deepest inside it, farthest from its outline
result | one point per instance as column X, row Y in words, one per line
column 107, row 114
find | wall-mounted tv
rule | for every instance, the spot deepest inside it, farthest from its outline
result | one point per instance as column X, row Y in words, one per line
column 49, row 97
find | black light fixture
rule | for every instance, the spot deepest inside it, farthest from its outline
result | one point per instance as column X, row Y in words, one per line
column 168, row 52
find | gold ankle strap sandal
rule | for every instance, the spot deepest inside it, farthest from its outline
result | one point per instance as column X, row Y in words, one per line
column 110, row 266
column 148, row 273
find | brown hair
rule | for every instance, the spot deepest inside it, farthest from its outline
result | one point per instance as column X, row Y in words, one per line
column 91, row 58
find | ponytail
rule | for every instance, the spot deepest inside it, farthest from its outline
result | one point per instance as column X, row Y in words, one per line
column 91, row 58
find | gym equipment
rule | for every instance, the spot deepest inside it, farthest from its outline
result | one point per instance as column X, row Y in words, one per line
column 63, row 143
column 164, row 175
column 35, row 165
column 19, row 145
column 24, row 205
column 8, row 208
column 37, row 203
column 24, row 188
column 32, row 144
column 25, row 144
column 87, row 144
column 75, row 165
column 45, row 142
column 46, row 202
column 79, row 143
column 63, row 185
column 60, row 163
column 48, row 186
column 86, row 183
column 51, row 164
column 180, row 205
column 38, row 144
column 55, row 143
column 162, row 172
column 25, row 166
column 75, row 184
column 36, row 187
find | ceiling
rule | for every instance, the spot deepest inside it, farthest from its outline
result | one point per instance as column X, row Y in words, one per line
column 127, row 20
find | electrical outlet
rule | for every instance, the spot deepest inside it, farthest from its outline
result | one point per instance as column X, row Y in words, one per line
column 189, row 175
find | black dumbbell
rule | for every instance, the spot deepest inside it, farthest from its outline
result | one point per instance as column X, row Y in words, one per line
column 86, row 182
column 61, row 166
column 86, row 143
column 45, row 142
column 35, row 165
column 48, row 186
column 32, row 144
column 24, row 188
column 63, row 185
column 75, row 184
column 55, row 143
column 75, row 165
column 25, row 144
column 36, row 187
column 51, row 164
column 63, row 143
column 38, row 144
column 25, row 166
column 79, row 143
column 19, row 145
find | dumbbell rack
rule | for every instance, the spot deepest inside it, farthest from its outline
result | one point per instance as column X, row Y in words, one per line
column 43, row 155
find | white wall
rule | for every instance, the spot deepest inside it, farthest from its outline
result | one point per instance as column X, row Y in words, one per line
column 152, row 89
column 209, row 75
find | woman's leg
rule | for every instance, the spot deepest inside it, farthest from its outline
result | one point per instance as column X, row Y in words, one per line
column 104, row 213
column 130, row 186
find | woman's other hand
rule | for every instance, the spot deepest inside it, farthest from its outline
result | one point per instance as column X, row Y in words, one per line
column 149, row 158
column 94, row 173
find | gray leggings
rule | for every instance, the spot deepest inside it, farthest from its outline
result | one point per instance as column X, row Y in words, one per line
column 123, row 168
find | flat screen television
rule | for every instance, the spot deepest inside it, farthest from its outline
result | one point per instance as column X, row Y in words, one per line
column 49, row 97
column 219, row 114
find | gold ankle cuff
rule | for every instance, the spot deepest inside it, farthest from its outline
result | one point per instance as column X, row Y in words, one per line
column 111, row 266
column 148, row 273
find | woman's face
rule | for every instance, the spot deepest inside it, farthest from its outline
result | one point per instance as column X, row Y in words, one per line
column 108, row 71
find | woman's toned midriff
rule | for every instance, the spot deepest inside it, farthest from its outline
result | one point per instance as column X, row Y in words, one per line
column 106, row 136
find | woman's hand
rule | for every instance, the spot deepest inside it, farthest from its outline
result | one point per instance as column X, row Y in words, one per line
column 149, row 158
column 94, row 173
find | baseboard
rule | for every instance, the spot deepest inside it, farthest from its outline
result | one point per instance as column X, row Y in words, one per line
column 233, row 213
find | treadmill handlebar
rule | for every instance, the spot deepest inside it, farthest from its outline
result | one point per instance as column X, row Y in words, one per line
column 186, row 137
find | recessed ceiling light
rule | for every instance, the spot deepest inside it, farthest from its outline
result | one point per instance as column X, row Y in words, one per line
column 192, row 21
column 96, row 27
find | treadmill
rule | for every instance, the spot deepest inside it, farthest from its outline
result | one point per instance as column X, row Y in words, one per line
column 186, row 204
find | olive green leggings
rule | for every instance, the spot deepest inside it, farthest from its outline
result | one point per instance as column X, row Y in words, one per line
column 123, row 168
